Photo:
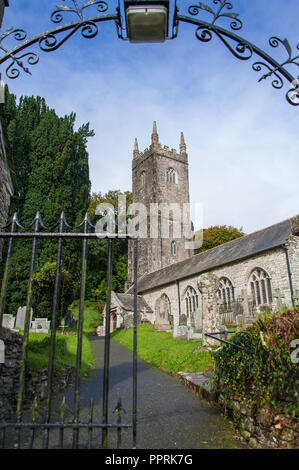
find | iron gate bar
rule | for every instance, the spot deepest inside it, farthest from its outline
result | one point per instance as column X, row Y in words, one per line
column 62, row 221
column 85, row 223
column 107, row 349
column 75, row 425
column 37, row 222
column 211, row 335
column 65, row 235
column 135, row 345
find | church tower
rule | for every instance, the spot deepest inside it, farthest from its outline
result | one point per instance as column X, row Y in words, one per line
column 160, row 182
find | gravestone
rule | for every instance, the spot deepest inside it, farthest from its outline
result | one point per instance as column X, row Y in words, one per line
column 180, row 332
column 162, row 315
column 8, row 321
column 69, row 321
column 21, row 315
column 40, row 325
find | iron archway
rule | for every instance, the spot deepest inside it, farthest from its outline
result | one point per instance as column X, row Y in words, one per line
column 20, row 59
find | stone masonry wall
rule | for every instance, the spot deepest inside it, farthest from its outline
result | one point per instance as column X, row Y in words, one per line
column 293, row 252
column 272, row 261
column 263, row 428
column 9, row 372
column 6, row 189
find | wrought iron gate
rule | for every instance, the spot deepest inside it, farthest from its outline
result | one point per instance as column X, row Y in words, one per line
column 12, row 433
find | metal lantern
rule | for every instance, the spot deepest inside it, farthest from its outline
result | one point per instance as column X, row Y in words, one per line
column 147, row 21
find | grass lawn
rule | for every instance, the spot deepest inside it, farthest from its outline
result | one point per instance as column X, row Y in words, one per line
column 65, row 351
column 66, row 344
column 92, row 317
column 159, row 349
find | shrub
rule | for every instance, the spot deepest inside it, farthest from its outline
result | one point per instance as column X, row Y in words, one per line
column 267, row 377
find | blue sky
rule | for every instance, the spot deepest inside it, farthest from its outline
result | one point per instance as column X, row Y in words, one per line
column 241, row 135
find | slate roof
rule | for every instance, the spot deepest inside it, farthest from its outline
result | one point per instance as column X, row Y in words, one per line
column 238, row 249
column 127, row 302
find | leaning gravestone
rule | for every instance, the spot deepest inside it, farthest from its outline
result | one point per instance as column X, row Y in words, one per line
column 21, row 315
column 8, row 321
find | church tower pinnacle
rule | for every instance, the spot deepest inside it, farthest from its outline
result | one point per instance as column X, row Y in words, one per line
column 136, row 149
column 183, row 148
column 155, row 137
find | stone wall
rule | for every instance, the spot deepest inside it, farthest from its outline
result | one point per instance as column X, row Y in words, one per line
column 9, row 372
column 3, row 4
column 293, row 253
column 272, row 261
column 263, row 428
column 6, row 186
column 36, row 381
column 5, row 181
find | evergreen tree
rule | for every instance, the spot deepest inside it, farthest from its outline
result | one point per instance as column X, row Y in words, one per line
column 51, row 166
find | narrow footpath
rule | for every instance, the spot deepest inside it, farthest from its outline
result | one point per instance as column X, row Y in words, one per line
column 170, row 416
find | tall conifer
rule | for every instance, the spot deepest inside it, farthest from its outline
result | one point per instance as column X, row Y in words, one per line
column 51, row 165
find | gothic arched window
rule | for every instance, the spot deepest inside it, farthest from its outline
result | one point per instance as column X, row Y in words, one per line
column 191, row 300
column 142, row 178
column 171, row 175
column 173, row 248
column 226, row 291
column 260, row 286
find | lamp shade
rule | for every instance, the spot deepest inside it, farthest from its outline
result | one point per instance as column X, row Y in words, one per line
column 147, row 21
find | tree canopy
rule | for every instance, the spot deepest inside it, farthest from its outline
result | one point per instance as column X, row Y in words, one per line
column 217, row 235
column 52, row 173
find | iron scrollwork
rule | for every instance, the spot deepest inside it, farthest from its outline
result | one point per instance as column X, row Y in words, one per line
column 236, row 24
column 51, row 40
column 241, row 48
column 238, row 46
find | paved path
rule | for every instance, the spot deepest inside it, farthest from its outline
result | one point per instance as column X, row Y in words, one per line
column 170, row 416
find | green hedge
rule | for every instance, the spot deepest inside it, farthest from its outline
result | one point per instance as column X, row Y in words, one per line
column 267, row 377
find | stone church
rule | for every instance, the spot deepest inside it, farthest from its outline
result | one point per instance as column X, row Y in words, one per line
column 188, row 294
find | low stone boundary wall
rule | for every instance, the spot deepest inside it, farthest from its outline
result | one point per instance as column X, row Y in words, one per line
column 259, row 428
column 36, row 381
column 9, row 372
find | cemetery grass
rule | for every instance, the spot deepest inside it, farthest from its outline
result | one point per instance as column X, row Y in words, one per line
column 65, row 352
column 66, row 344
column 159, row 349
column 92, row 317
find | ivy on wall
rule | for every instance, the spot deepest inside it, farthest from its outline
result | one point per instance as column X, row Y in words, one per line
column 268, row 376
